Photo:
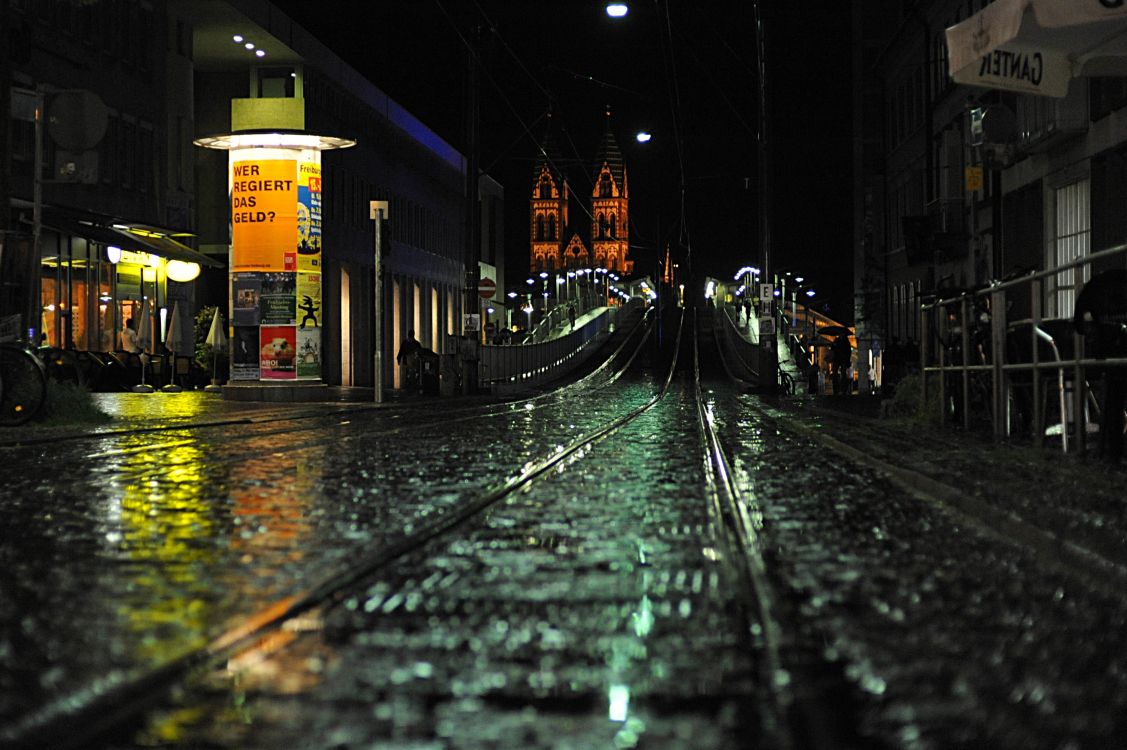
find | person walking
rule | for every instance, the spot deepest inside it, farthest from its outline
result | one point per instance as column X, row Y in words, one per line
column 842, row 356
column 571, row 315
column 408, row 357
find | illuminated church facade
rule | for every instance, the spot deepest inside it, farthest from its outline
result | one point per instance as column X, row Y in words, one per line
column 556, row 243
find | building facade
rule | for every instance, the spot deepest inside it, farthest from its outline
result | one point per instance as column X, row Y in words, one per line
column 957, row 186
column 161, row 75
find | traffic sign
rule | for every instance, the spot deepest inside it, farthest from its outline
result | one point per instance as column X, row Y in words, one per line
column 487, row 288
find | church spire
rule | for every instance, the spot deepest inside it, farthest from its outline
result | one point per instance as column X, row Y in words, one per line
column 610, row 154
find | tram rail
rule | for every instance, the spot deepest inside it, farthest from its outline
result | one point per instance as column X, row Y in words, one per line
column 80, row 718
column 1097, row 566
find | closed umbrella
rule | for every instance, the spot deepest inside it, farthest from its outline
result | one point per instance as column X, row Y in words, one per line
column 172, row 340
column 216, row 339
column 1039, row 46
column 145, row 339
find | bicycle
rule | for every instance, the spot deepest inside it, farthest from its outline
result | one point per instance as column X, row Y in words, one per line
column 23, row 384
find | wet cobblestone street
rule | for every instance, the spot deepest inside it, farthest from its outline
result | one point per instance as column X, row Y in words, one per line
column 584, row 613
column 594, row 608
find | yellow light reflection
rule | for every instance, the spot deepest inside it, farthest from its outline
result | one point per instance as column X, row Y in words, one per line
column 194, row 554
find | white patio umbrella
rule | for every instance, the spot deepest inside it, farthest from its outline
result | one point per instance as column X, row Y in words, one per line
column 1039, row 46
column 173, row 339
column 145, row 339
column 216, row 338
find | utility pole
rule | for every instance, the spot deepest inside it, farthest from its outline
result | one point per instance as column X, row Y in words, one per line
column 7, row 301
column 377, row 211
column 473, row 213
column 768, row 365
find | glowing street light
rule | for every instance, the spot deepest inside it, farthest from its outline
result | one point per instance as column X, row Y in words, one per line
column 617, row 10
column 643, row 136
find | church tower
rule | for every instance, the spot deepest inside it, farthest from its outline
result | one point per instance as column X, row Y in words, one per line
column 610, row 200
column 547, row 209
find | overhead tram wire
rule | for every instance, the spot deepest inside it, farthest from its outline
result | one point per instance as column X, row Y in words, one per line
column 526, row 127
column 675, row 111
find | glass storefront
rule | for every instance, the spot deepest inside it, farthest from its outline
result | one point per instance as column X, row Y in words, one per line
column 86, row 297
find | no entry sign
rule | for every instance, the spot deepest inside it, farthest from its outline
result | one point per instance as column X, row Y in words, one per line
column 487, row 288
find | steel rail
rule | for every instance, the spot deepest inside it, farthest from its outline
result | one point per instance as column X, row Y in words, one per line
column 381, row 429
column 1099, row 570
column 735, row 512
column 79, row 718
column 287, row 416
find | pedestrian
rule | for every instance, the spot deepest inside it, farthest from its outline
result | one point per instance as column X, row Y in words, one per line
column 129, row 341
column 571, row 315
column 469, row 353
column 408, row 357
column 842, row 353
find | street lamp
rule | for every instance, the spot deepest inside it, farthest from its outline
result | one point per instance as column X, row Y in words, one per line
column 617, row 10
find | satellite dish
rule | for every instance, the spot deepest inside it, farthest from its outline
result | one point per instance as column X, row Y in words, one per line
column 76, row 120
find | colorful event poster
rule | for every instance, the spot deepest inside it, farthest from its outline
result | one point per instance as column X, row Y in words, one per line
column 246, row 289
column 278, row 352
column 263, row 214
column 309, row 352
column 309, row 216
column 244, row 362
column 309, row 300
column 278, row 299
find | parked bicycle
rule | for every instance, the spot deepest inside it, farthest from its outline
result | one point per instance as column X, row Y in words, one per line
column 23, row 384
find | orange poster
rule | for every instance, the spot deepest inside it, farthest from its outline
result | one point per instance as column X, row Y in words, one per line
column 264, row 215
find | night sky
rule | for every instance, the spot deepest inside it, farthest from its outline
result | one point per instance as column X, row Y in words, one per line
column 683, row 70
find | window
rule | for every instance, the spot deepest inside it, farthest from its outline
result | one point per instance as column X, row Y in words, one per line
column 539, row 227
column 613, row 226
column 545, row 189
column 1073, row 230
column 602, row 231
column 551, row 225
column 605, row 190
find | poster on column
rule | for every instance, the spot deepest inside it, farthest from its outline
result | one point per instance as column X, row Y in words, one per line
column 244, row 363
column 263, row 215
column 309, row 352
column 278, row 352
column 246, row 289
column 309, row 300
column 278, row 303
column 309, row 214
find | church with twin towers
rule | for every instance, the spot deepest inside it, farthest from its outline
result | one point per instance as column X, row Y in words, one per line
column 600, row 235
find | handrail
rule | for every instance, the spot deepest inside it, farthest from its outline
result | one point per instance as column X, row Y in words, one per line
column 995, row 286
column 1002, row 332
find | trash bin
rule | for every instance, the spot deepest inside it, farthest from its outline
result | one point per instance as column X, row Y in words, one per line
column 428, row 372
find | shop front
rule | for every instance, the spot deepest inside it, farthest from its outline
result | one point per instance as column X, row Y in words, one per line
column 93, row 278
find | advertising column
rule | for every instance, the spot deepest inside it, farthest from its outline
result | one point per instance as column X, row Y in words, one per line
column 275, row 264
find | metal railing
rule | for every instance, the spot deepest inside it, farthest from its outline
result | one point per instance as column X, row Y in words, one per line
column 507, row 368
column 746, row 351
column 999, row 364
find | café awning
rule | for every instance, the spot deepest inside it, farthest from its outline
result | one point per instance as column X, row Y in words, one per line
column 136, row 238
column 1039, row 46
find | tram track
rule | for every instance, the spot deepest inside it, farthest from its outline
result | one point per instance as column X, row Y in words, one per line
column 810, row 701
column 285, row 422
column 280, row 420
column 80, row 718
column 1097, row 564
